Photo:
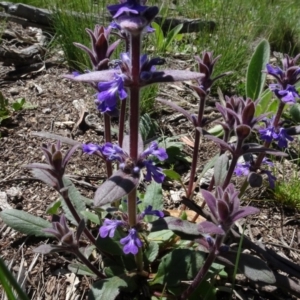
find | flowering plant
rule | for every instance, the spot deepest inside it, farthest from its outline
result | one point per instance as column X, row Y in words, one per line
column 145, row 252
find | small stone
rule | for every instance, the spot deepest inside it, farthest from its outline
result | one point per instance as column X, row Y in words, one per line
column 14, row 91
column 3, row 201
column 46, row 110
column 13, row 192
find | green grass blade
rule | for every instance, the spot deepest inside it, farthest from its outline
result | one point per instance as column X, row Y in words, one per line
column 171, row 35
column 255, row 79
column 159, row 35
column 9, row 284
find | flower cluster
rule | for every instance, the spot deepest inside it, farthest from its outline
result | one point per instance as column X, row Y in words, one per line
column 132, row 241
column 286, row 79
column 247, row 167
column 225, row 206
column 113, row 152
column 276, row 133
column 109, row 92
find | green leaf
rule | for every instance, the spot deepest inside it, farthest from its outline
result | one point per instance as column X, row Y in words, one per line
column 252, row 267
column 153, row 197
column 148, row 127
column 172, row 174
column 106, row 289
column 295, row 112
column 25, row 222
column 255, row 79
column 18, row 105
column 162, row 236
column 220, row 169
column 217, row 130
column 171, row 35
column 76, row 198
column 152, row 251
column 180, row 264
column 80, row 269
column 159, row 35
column 91, row 216
column 52, row 209
column 8, row 282
column 184, row 229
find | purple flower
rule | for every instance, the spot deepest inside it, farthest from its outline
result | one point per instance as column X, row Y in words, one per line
column 153, row 172
column 266, row 161
column 153, row 149
column 282, row 138
column 109, row 227
column 278, row 134
column 242, row 169
column 288, row 95
column 109, row 92
column 274, row 71
column 149, row 212
column 131, row 242
column 114, row 152
column 91, row 148
column 271, row 178
column 129, row 6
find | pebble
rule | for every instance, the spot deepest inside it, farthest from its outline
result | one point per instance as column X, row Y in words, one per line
column 14, row 91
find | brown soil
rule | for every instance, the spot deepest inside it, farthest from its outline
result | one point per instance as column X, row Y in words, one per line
column 48, row 276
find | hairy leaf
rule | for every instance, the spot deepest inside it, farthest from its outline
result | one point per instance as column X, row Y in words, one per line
column 24, row 222
column 80, row 269
column 153, row 197
column 106, row 289
column 255, row 79
column 220, row 169
column 151, row 251
column 117, row 186
column 76, row 198
column 180, row 264
column 254, row 268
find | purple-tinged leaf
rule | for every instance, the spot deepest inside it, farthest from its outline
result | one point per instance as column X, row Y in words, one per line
column 223, row 210
column 242, row 131
column 221, row 169
column 248, row 113
column 264, row 150
column 46, row 177
column 88, row 51
column 222, row 143
column 244, row 212
column 40, row 166
column 175, row 224
column 252, row 267
column 46, row 249
column 211, row 202
column 207, row 227
column 112, row 48
column 176, row 107
column 96, row 76
column 80, row 229
column 117, row 186
column 69, row 154
column 172, row 76
column 56, row 137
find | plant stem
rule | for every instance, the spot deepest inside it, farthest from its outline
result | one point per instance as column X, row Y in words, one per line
column 196, row 148
column 107, row 136
column 134, row 121
column 88, row 263
column 122, row 122
column 74, row 213
column 266, row 145
column 203, row 271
